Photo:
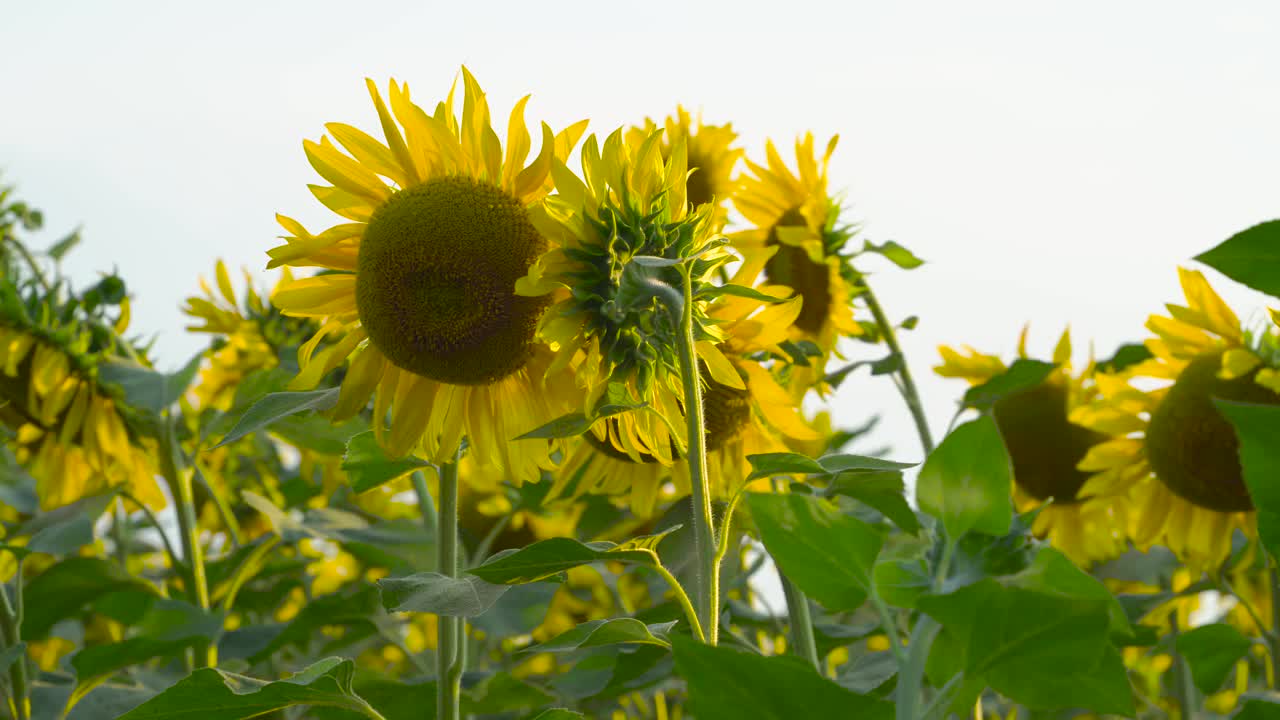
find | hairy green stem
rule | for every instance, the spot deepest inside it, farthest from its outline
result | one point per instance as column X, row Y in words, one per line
column 449, row 635
column 683, row 598
column 908, row 387
column 704, row 535
column 802, row 640
column 11, row 634
column 179, row 479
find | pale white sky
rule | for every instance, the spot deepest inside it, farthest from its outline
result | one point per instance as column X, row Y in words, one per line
column 1052, row 161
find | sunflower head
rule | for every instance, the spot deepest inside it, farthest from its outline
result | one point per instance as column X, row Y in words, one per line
column 622, row 242
column 795, row 217
column 711, row 155
column 418, row 289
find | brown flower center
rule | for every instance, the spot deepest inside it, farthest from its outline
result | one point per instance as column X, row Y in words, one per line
column 1044, row 446
column 791, row 267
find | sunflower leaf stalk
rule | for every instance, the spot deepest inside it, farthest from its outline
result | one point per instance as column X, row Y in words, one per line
column 907, row 385
column 179, row 477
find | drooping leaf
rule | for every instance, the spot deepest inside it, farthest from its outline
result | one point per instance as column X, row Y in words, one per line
column 612, row 631
column 1023, row 374
column 1250, row 257
column 742, row 291
column 550, row 557
column 1257, row 430
column 211, row 694
column 368, row 466
column 577, row 423
column 62, row 590
column 965, row 482
column 726, row 684
column 276, row 406
column 431, row 592
column 1212, row 652
column 827, row 554
column 149, row 389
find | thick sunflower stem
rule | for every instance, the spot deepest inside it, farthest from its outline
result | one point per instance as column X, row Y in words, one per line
column 908, row 386
column 802, row 638
column 180, row 478
column 10, row 636
column 449, row 636
column 704, row 536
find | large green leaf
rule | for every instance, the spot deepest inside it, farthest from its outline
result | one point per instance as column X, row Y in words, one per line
column 211, row 694
column 65, row 529
column 1212, row 652
column 550, row 557
column 431, row 592
column 1041, row 648
column 62, row 590
column 613, row 631
column 368, row 466
column 827, row 554
column 726, row 684
column 1250, row 257
column 559, row 714
column 1264, row 706
column 276, row 406
column 149, row 389
column 965, row 482
column 1257, row 427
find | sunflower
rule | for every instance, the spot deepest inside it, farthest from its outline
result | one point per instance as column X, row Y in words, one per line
column 241, row 329
column 796, row 214
column 712, row 158
column 615, row 237
column 69, row 429
column 1045, row 449
column 418, row 285
column 750, row 416
column 1170, row 449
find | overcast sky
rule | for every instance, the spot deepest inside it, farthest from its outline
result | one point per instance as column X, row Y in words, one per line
column 1053, row 162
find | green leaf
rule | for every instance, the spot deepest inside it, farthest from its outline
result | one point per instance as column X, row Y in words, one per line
column 725, row 684
column 827, row 554
column 965, row 482
column 502, row 693
column 369, row 467
column 1250, row 257
column 860, row 463
column 559, row 714
column 868, row 672
column 895, row 253
column 62, row 590
column 550, row 557
column 149, row 389
column 1046, row 650
column 782, row 463
column 279, row 405
column 576, row 423
column 211, row 694
column 65, row 529
column 1125, row 356
column 613, row 631
column 1023, row 374
column 1257, row 427
column 902, row 575
column 714, row 291
column 883, row 491
column 169, row 627
column 1212, row 652
column 431, row 592
column 1261, row 706
column 58, row 250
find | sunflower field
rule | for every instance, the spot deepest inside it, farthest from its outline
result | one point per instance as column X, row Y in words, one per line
column 538, row 426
